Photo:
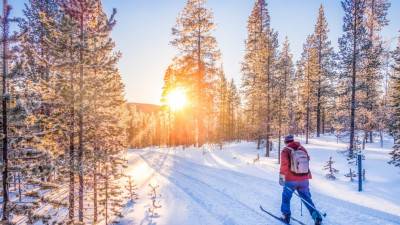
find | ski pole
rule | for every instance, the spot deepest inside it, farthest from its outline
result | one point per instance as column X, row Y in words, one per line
column 306, row 202
column 301, row 208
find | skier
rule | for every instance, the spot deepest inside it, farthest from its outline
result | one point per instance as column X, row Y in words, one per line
column 294, row 176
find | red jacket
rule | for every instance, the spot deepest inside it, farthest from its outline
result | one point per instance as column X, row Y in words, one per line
column 285, row 163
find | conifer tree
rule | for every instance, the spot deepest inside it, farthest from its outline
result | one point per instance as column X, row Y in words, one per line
column 325, row 57
column 234, row 104
column 331, row 170
column 352, row 46
column 49, row 51
column 395, row 154
column 36, row 50
column 222, row 109
column 75, row 39
column 258, row 70
column 56, row 86
column 284, row 85
column 307, row 77
column 385, row 111
column 91, row 26
column 375, row 20
column 198, row 49
column 9, row 61
column 228, row 103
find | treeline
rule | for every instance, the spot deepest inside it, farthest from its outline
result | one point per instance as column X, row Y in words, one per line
column 350, row 92
column 62, row 114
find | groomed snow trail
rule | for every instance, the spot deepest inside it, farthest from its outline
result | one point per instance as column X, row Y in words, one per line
column 221, row 187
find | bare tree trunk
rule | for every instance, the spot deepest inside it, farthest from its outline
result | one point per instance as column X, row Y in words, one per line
column 308, row 121
column 267, row 144
column 19, row 187
column 308, row 103
column 279, row 130
column 95, row 192
column 353, row 83
column 323, row 121
column 198, row 88
column 371, row 137
column 71, row 180
column 80, row 152
column 364, row 140
column 4, row 111
column 319, row 105
column 71, row 195
column 318, row 113
column 106, row 194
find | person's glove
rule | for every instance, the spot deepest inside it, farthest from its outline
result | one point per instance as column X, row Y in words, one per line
column 281, row 179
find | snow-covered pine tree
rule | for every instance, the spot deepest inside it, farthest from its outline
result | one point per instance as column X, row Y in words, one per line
column 56, row 87
column 104, row 117
column 35, row 49
column 352, row 46
column 49, row 53
column 110, row 183
column 258, row 70
column 228, row 103
column 283, row 95
column 23, row 162
column 325, row 58
column 105, row 124
column 132, row 189
column 371, row 79
column 198, row 51
column 385, row 110
column 92, row 27
column 81, row 11
column 15, row 113
column 66, row 53
column 331, row 170
column 395, row 100
column 352, row 174
column 306, row 78
column 340, row 117
column 222, row 109
column 233, row 111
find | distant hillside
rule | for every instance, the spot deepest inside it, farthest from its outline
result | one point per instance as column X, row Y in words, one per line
column 145, row 108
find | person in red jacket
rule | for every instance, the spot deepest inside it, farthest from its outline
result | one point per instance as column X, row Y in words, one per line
column 292, row 181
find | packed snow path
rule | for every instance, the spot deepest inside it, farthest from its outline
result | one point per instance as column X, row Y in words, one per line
column 226, row 187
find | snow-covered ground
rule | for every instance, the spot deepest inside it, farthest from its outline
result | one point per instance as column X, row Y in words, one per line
column 213, row 186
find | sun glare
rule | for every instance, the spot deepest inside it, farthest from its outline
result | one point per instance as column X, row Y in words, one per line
column 177, row 99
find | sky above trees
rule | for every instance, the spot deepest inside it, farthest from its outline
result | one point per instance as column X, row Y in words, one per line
column 143, row 34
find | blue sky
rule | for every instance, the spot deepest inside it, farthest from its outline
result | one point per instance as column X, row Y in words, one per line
column 144, row 27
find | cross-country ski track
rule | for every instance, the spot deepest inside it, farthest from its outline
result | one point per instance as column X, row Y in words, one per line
column 223, row 187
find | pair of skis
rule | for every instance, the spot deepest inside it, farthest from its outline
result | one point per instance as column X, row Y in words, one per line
column 279, row 218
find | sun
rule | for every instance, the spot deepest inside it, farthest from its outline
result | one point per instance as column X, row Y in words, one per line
column 177, row 99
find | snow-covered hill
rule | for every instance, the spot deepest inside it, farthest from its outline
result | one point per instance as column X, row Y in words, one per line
column 213, row 186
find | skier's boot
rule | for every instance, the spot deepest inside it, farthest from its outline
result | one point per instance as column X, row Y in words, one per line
column 317, row 218
column 286, row 218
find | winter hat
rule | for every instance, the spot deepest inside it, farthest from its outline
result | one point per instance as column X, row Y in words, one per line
column 289, row 138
